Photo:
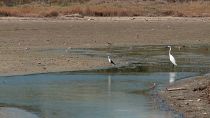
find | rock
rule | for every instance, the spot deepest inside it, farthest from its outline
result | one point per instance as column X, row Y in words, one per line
column 200, row 88
column 205, row 113
column 90, row 19
column 27, row 48
column 198, row 100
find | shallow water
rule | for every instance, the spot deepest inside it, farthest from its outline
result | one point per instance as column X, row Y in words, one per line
column 115, row 92
column 190, row 58
column 88, row 95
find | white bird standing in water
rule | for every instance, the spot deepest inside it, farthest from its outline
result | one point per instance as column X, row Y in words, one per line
column 110, row 61
column 172, row 59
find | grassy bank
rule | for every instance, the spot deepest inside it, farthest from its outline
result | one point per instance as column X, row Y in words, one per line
column 187, row 9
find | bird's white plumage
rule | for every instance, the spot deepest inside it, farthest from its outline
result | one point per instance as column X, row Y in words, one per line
column 110, row 61
column 172, row 59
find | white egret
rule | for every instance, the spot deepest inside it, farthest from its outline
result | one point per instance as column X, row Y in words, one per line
column 172, row 59
column 110, row 61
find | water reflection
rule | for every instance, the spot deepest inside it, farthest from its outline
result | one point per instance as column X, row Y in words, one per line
column 80, row 95
column 109, row 84
column 172, row 77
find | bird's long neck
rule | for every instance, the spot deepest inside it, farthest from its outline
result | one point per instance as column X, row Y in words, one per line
column 169, row 50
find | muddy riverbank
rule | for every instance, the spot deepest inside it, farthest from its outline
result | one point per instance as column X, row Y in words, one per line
column 190, row 96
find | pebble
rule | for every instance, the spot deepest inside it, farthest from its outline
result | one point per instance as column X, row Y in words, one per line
column 198, row 100
column 27, row 48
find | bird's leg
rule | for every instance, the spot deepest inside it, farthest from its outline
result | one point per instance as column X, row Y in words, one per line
column 173, row 67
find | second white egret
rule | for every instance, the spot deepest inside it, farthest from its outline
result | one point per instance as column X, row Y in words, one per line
column 172, row 59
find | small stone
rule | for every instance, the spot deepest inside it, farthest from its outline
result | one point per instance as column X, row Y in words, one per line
column 90, row 19
column 198, row 100
column 27, row 48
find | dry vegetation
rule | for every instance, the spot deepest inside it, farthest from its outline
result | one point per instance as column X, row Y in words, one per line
column 110, row 8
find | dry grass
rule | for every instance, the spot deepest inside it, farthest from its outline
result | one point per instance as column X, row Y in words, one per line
column 102, row 10
column 192, row 9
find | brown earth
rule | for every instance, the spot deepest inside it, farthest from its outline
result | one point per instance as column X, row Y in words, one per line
column 190, row 96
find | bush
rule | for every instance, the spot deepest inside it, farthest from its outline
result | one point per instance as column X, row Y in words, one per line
column 6, row 12
column 51, row 14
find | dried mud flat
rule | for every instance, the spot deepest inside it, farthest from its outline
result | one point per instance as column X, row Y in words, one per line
column 190, row 96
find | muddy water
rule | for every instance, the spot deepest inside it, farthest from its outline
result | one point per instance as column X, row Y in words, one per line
column 190, row 58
